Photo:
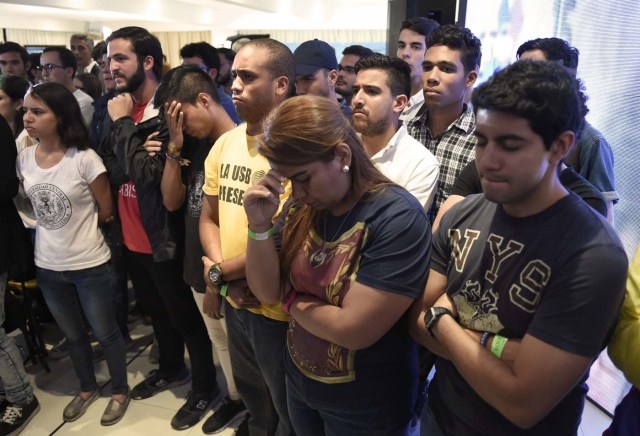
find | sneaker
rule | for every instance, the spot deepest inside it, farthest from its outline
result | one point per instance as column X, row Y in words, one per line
column 193, row 410
column 154, row 353
column 76, row 408
column 16, row 417
column 243, row 428
column 115, row 411
column 156, row 382
column 59, row 350
column 227, row 413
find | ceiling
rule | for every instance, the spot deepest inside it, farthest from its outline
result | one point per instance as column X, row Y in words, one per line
column 79, row 15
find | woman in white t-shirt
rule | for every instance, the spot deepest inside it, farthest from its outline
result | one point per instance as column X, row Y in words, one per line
column 69, row 190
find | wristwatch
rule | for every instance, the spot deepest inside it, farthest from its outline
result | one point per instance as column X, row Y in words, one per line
column 215, row 275
column 433, row 315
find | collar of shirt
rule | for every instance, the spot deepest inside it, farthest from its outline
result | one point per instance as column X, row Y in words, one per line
column 417, row 98
column 465, row 122
column 89, row 67
column 393, row 143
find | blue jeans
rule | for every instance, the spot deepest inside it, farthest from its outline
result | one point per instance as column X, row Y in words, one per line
column 256, row 348
column 15, row 380
column 316, row 419
column 69, row 294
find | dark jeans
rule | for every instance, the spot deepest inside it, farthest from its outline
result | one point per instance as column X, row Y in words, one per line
column 429, row 424
column 69, row 295
column 120, row 289
column 316, row 419
column 165, row 297
column 257, row 346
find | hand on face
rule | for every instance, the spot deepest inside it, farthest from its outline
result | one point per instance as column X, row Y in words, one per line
column 261, row 201
column 175, row 122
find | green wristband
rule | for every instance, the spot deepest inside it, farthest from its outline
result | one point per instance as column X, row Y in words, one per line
column 223, row 289
column 260, row 236
column 498, row 344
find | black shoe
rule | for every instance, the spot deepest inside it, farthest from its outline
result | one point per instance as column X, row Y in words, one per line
column 155, row 383
column 225, row 415
column 243, row 429
column 16, row 417
column 194, row 409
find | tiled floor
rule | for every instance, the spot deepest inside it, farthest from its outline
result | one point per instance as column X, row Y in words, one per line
column 149, row 417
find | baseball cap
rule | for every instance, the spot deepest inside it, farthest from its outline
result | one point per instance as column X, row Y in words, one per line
column 312, row 55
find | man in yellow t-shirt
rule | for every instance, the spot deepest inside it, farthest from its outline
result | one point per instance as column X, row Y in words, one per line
column 264, row 72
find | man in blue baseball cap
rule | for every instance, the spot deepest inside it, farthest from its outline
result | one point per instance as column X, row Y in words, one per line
column 317, row 71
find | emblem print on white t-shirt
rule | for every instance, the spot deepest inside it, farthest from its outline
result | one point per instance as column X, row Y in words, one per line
column 51, row 206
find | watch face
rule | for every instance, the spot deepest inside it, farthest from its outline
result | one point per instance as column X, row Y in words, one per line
column 215, row 274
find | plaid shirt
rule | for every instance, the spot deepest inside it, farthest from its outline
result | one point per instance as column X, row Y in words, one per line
column 454, row 148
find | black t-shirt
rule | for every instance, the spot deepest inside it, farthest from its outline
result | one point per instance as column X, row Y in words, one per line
column 384, row 242
column 557, row 275
column 196, row 151
column 468, row 182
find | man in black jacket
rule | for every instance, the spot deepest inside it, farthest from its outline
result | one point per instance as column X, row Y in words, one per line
column 20, row 405
column 152, row 235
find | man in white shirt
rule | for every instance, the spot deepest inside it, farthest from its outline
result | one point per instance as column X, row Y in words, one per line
column 412, row 46
column 379, row 97
column 82, row 46
column 59, row 65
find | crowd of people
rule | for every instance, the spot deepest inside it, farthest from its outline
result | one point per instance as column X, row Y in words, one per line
column 333, row 230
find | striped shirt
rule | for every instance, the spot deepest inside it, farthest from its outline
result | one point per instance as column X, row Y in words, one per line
column 454, row 148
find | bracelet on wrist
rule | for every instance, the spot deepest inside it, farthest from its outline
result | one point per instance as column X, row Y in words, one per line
column 173, row 148
column 182, row 161
column 484, row 339
column 498, row 344
column 260, row 236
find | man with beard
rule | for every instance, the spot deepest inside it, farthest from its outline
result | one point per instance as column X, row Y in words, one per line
column 224, row 79
column 264, row 71
column 347, row 71
column 379, row 95
column 151, row 234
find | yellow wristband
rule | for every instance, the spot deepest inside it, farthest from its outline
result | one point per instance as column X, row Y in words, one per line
column 498, row 344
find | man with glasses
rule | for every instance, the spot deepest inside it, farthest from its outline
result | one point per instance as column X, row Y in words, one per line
column 347, row 70
column 59, row 65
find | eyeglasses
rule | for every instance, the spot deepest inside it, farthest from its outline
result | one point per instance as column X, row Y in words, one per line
column 350, row 70
column 48, row 67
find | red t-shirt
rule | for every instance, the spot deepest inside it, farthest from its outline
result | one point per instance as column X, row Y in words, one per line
column 133, row 234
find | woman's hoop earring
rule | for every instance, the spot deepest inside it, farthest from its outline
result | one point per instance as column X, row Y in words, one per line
column 345, row 169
